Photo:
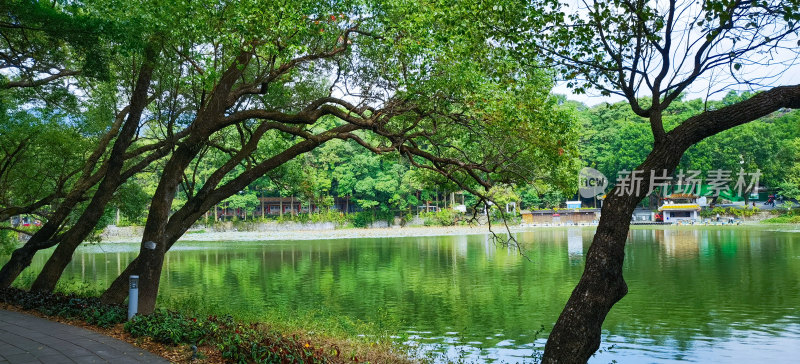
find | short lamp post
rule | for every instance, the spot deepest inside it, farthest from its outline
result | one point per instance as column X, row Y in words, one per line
column 133, row 296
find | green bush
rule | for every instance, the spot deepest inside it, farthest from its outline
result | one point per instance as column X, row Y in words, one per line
column 783, row 219
column 8, row 241
column 427, row 218
column 730, row 211
column 362, row 218
column 88, row 309
column 171, row 328
column 237, row 342
column 446, row 217
column 329, row 216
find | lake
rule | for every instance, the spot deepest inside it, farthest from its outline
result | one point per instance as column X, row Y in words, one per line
column 701, row 294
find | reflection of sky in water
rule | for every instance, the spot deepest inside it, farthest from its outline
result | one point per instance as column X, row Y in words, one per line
column 723, row 295
column 746, row 346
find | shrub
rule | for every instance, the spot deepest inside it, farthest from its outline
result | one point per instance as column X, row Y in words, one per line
column 718, row 210
column 88, row 309
column 783, row 219
column 446, row 217
column 329, row 216
column 8, row 241
column 362, row 218
column 171, row 328
column 237, row 342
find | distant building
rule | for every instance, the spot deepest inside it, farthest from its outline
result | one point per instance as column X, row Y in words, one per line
column 566, row 217
column 642, row 215
column 680, row 207
column 573, row 204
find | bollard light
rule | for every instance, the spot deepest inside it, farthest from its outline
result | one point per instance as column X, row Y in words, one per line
column 133, row 296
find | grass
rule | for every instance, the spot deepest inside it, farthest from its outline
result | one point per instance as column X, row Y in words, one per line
column 316, row 321
column 783, row 219
column 374, row 341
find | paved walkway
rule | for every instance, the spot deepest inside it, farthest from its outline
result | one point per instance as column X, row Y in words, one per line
column 30, row 339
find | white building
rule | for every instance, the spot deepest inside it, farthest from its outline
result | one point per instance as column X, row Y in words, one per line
column 680, row 207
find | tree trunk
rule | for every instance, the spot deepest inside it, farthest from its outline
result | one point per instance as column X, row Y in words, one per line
column 116, row 293
column 576, row 334
column 20, row 259
column 652, row 201
column 156, row 240
column 52, row 270
column 746, row 196
column 45, row 237
column 149, row 270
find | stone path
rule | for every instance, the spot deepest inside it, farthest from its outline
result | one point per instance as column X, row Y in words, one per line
column 30, row 339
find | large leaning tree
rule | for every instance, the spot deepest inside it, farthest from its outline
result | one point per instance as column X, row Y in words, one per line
column 649, row 53
column 73, row 93
column 257, row 84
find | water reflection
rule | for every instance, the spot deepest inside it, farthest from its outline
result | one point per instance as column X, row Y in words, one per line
column 575, row 242
column 679, row 243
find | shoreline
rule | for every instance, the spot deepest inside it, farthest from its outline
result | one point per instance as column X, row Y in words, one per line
column 201, row 235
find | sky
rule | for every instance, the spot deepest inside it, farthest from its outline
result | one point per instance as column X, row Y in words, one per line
column 790, row 77
column 767, row 67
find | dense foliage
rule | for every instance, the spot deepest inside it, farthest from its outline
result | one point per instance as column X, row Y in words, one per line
column 614, row 139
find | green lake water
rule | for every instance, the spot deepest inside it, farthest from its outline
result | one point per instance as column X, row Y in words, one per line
column 722, row 295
